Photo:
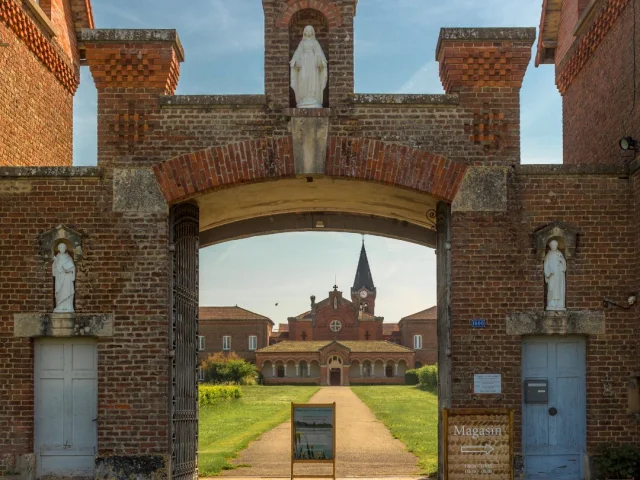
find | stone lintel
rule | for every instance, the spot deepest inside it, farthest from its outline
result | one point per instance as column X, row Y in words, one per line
column 556, row 323
column 490, row 34
column 483, row 189
column 212, row 100
column 310, row 136
column 42, row 325
column 128, row 35
column 136, row 190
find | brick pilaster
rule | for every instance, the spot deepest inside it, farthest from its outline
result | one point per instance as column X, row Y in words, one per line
column 131, row 69
column 485, row 67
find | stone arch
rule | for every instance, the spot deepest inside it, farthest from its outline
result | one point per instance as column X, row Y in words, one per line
column 326, row 7
column 266, row 159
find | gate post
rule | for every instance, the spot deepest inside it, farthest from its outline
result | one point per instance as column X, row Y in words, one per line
column 443, row 252
column 183, row 345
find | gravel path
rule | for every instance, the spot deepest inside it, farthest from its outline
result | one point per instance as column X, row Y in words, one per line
column 365, row 448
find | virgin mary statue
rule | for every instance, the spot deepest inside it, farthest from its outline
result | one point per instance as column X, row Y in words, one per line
column 309, row 71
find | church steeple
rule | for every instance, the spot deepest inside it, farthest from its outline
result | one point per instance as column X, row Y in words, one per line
column 363, row 279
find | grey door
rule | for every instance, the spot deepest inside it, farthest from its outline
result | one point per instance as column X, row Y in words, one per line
column 554, row 433
column 65, row 407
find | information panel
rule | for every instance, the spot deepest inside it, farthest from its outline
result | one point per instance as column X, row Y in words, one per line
column 313, row 433
column 479, row 444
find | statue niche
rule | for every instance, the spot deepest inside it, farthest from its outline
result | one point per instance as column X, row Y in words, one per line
column 63, row 271
column 555, row 268
column 309, row 70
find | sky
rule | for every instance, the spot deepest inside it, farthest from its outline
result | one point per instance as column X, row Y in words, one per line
column 395, row 43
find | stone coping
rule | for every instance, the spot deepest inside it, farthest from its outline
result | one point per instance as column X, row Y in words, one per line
column 212, row 100
column 562, row 169
column 50, row 172
column 63, row 325
column 426, row 99
column 527, row 34
column 128, row 35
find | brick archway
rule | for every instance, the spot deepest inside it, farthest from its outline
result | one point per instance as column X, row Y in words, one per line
column 326, row 7
column 266, row 159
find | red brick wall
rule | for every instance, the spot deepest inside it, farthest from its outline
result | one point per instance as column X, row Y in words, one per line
column 123, row 271
column 568, row 21
column 239, row 330
column 598, row 102
column 61, row 16
column 428, row 354
column 36, row 98
column 495, row 271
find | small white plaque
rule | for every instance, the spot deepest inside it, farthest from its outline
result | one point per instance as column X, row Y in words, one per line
column 487, row 383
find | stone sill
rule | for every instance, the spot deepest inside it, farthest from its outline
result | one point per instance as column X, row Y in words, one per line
column 213, row 101
column 426, row 100
column 562, row 169
column 49, row 172
column 569, row 322
column 82, row 324
column 307, row 112
column 41, row 17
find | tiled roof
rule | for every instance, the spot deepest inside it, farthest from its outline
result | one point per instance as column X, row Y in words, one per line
column 428, row 314
column 358, row 346
column 389, row 328
column 229, row 313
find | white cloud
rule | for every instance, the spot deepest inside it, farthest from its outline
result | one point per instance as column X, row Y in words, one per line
column 424, row 80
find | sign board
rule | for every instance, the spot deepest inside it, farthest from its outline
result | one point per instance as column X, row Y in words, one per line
column 487, row 383
column 478, row 323
column 313, row 434
column 479, row 444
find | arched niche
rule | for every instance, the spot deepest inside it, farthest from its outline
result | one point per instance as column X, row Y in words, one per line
column 566, row 235
column 299, row 20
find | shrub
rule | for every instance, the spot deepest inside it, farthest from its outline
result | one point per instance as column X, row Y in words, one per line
column 428, row 376
column 617, row 461
column 212, row 394
column 411, row 377
column 228, row 368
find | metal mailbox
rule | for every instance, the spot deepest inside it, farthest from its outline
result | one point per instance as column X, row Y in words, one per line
column 536, row 391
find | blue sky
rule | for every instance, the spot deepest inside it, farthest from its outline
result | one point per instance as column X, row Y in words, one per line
column 395, row 44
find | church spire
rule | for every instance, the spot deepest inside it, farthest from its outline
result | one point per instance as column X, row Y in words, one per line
column 363, row 279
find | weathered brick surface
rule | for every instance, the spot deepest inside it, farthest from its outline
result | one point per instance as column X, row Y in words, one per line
column 598, row 98
column 123, row 271
column 495, row 271
column 62, row 17
column 36, row 98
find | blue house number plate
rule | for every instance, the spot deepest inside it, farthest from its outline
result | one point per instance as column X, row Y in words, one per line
column 478, row 323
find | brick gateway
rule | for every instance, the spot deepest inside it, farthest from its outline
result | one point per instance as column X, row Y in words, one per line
column 442, row 170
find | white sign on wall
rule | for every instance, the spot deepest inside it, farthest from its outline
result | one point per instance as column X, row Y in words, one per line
column 487, row 383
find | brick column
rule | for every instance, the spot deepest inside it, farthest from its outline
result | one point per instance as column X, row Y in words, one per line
column 131, row 69
column 485, row 67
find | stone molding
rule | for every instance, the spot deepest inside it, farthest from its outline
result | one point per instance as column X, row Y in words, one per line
column 46, row 325
column 556, row 323
column 212, row 100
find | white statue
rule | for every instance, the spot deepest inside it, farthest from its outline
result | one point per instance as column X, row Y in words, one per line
column 555, row 267
column 64, row 271
column 309, row 71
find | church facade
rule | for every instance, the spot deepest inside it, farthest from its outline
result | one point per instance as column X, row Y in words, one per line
column 336, row 335
column 177, row 173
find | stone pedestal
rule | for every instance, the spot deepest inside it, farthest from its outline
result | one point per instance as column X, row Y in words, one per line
column 63, row 324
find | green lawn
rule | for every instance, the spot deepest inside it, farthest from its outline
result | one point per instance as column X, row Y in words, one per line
column 227, row 428
column 411, row 414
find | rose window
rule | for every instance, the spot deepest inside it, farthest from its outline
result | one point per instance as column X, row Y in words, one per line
column 335, row 325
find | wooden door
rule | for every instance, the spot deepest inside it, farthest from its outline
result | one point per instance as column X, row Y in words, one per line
column 554, row 433
column 334, row 378
column 65, row 407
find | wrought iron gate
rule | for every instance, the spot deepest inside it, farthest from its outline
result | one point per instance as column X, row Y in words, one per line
column 183, row 335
